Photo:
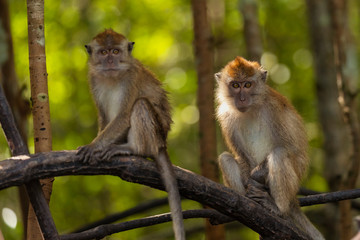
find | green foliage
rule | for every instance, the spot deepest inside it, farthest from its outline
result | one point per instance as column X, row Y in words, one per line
column 163, row 34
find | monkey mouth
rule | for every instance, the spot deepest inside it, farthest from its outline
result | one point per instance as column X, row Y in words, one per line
column 242, row 109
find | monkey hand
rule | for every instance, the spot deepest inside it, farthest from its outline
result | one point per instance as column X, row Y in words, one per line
column 90, row 153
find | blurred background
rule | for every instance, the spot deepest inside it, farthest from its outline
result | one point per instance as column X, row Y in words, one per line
column 164, row 38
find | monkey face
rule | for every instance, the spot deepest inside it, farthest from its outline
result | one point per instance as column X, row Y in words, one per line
column 110, row 53
column 242, row 84
column 242, row 92
column 109, row 60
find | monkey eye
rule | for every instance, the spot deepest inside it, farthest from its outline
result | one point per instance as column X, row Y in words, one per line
column 247, row 84
column 115, row 51
column 235, row 85
column 103, row 52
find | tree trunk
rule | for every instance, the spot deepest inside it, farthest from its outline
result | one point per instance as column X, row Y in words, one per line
column 345, row 57
column 39, row 97
column 331, row 106
column 204, row 57
column 252, row 33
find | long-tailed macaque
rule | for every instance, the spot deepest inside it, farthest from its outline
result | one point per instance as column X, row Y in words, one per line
column 266, row 137
column 133, row 112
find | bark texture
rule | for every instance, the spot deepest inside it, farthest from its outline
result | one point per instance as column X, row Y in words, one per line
column 39, row 97
column 204, row 57
column 18, row 170
column 336, row 104
column 252, row 33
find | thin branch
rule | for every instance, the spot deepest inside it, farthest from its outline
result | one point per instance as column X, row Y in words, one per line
column 307, row 192
column 329, row 197
column 15, row 171
column 117, row 216
column 219, row 218
column 108, row 229
column 13, row 137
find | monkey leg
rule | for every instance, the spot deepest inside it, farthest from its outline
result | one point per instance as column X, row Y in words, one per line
column 283, row 179
column 144, row 137
column 147, row 138
column 232, row 172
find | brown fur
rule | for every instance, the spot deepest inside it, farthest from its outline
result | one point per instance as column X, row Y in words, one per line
column 241, row 66
column 108, row 37
column 133, row 112
column 262, row 127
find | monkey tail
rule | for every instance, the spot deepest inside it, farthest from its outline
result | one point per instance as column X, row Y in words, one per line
column 304, row 224
column 169, row 180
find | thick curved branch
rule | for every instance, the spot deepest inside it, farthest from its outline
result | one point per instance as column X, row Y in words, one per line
column 18, row 170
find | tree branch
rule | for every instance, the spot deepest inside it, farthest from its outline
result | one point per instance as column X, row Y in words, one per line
column 329, row 197
column 17, row 170
column 33, row 188
column 129, row 212
column 215, row 218
column 108, row 229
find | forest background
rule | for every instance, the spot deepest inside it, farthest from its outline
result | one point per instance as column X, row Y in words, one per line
column 164, row 36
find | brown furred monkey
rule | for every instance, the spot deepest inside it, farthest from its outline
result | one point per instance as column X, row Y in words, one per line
column 266, row 137
column 133, row 112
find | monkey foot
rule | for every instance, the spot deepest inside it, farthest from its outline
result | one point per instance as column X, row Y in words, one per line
column 259, row 193
column 116, row 150
column 88, row 154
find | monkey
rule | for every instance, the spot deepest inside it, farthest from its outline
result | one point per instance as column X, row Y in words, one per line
column 133, row 112
column 266, row 138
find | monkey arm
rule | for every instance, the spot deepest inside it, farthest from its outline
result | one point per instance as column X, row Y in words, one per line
column 115, row 131
column 101, row 119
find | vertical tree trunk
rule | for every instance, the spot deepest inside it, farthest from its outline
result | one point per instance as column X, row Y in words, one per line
column 347, row 84
column 252, row 31
column 337, row 115
column 204, row 57
column 329, row 110
column 39, row 97
column 19, row 106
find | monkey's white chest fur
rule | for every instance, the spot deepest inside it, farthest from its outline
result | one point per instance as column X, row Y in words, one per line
column 110, row 97
column 255, row 136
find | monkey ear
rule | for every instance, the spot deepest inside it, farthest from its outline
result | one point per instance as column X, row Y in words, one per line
column 217, row 76
column 263, row 75
column 130, row 46
column 88, row 49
